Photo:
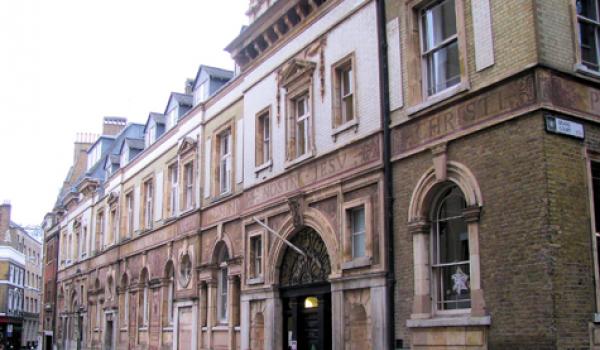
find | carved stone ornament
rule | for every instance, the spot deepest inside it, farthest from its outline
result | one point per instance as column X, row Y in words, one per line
column 185, row 270
column 298, row 270
column 296, row 204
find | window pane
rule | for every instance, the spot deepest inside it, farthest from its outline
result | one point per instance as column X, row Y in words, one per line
column 300, row 107
column 347, row 108
column 454, row 288
column 589, row 50
column 587, row 8
column 346, row 81
column 300, row 138
column 443, row 68
column 439, row 23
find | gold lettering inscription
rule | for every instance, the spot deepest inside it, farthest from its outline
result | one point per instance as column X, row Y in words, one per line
column 504, row 99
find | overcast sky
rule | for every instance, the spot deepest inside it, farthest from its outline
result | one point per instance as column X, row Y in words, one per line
column 64, row 64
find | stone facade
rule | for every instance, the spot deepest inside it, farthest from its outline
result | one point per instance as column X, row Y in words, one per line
column 196, row 244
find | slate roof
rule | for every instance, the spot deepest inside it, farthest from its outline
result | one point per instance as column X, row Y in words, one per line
column 135, row 143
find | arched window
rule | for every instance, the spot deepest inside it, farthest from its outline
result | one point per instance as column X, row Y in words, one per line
column 170, row 291
column 222, row 287
column 124, row 303
column 450, row 251
column 145, row 298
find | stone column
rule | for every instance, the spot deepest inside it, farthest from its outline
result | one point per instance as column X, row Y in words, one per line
column 202, row 297
column 379, row 326
column 471, row 215
column 420, row 230
column 245, row 323
column 211, row 311
column 233, row 307
column 273, row 323
column 337, row 316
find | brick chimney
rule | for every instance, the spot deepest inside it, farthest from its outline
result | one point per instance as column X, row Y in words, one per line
column 113, row 125
column 4, row 218
column 189, row 86
column 83, row 141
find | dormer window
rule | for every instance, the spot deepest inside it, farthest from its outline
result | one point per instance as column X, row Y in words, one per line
column 201, row 93
column 172, row 117
column 151, row 135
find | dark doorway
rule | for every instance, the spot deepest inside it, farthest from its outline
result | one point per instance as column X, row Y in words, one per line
column 108, row 335
column 48, row 342
column 307, row 318
column 306, row 293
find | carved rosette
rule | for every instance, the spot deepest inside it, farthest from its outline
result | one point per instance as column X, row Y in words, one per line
column 298, row 270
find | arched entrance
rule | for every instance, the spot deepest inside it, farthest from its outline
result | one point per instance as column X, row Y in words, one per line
column 306, row 293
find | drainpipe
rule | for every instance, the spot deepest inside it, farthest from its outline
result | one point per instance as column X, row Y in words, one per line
column 387, row 169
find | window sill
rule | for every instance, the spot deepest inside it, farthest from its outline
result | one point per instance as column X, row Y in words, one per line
column 266, row 165
column 221, row 327
column 344, row 127
column 450, row 321
column 597, row 317
column 168, row 329
column 255, row 280
column 582, row 69
column 439, row 97
column 143, row 329
column 300, row 159
column 357, row 263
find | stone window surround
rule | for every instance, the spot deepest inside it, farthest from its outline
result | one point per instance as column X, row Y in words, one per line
column 113, row 214
column 416, row 96
column 252, row 277
column 296, row 86
column 229, row 125
column 593, row 157
column 183, row 162
column 149, row 180
column 260, row 163
column 128, row 233
column 172, row 165
column 336, row 124
column 579, row 67
column 348, row 261
column 423, row 310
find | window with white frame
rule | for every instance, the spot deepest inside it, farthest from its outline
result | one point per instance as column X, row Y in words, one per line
column 129, row 208
column 224, row 142
column 145, row 300
column 172, row 117
column 343, row 85
column 256, row 255
column 188, row 174
column 99, row 230
column 302, row 127
column 450, row 251
column 263, row 138
column 148, row 204
column 202, row 92
column 222, row 287
column 358, row 231
column 439, row 46
column 173, row 189
column 588, row 20
column 114, row 223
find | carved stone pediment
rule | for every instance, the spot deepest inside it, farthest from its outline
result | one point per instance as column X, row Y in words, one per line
column 113, row 197
column 295, row 70
column 186, row 145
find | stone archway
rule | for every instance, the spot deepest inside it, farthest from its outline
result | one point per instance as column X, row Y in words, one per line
column 306, row 293
column 298, row 270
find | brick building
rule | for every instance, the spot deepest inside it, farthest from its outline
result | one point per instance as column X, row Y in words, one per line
column 267, row 208
column 246, row 215
column 494, row 149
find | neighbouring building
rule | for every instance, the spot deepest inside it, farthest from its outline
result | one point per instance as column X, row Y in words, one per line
column 494, row 149
column 20, row 283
